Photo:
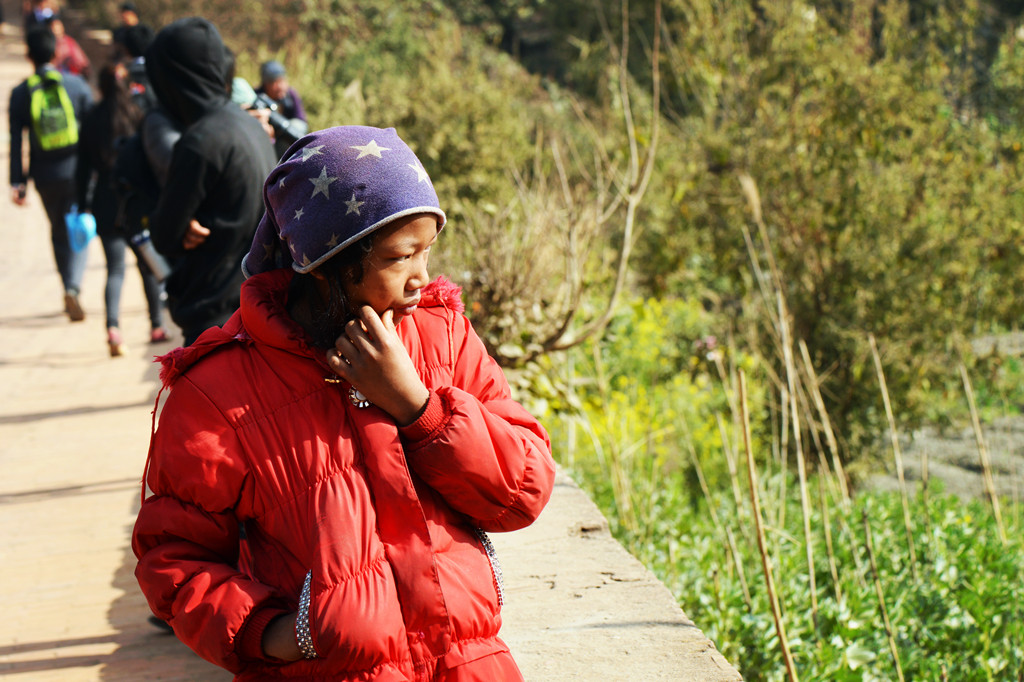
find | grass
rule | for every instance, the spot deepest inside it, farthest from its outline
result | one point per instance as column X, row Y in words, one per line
column 790, row 572
column 954, row 613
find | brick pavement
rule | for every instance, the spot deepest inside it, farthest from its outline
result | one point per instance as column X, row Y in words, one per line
column 74, row 427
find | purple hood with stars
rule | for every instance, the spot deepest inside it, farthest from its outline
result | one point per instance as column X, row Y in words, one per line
column 332, row 188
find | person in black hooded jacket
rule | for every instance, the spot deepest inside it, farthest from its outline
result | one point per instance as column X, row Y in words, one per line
column 213, row 200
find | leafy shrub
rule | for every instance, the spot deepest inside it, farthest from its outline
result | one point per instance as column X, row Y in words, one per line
column 961, row 616
column 642, row 411
column 884, row 211
column 651, row 390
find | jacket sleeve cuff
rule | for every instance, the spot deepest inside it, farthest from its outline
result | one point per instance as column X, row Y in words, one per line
column 434, row 417
column 250, row 639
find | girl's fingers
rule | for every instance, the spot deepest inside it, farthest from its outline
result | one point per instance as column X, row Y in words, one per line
column 338, row 363
column 357, row 328
column 372, row 322
column 343, row 344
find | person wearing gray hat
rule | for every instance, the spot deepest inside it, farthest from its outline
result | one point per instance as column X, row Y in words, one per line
column 348, row 423
column 278, row 102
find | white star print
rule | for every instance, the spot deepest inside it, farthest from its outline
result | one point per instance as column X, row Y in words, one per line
column 353, row 205
column 369, row 149
column 310, row 152
column 298, row 214
column 322, row 184
column 421, row 174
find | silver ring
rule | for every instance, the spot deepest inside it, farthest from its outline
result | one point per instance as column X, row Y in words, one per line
column 357, row 398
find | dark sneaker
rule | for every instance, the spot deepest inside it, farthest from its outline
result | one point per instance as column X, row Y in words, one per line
column 160, row 624
column 73, row 307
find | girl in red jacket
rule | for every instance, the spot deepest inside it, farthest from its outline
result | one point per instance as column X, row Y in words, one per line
column 327, row 463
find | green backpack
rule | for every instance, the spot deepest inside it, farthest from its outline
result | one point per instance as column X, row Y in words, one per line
column 53, row 115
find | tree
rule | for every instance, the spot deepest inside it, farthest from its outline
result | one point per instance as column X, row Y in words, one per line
column 869, row 199
column 574, row 224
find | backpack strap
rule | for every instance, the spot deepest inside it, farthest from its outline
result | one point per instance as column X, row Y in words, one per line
column 50, row 76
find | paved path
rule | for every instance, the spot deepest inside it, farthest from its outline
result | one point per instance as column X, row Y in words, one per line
column 74, row 427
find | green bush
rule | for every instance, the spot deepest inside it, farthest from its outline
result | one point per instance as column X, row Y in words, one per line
column 886, row 210
column 643, row 410
column 961, row 615
column 650, row 391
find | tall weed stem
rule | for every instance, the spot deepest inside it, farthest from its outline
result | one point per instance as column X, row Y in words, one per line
column 881, row 597
column 762, row 543
column 897, row 454
column 801, row 465
column 986, row 465
column 826, row 424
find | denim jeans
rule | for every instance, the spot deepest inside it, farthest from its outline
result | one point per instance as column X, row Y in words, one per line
column 57, row 197
column 114, row 247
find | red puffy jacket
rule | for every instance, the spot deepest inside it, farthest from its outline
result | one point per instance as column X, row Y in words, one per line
column 256, row 451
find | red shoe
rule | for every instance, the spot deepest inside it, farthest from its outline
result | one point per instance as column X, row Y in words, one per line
column 159, row 335
column 115, row 342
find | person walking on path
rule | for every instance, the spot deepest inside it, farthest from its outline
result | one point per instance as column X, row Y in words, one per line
column 63, row 99
column 37, row 12
column 128, row 15
column 69, row 57
column 211, row 204
column 136, row 39
column 114, row 117
column 327, row 464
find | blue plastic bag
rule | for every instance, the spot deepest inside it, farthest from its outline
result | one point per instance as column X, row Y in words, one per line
column 81, row 228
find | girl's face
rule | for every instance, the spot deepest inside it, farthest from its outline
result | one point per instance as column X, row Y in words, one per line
column 396, row 268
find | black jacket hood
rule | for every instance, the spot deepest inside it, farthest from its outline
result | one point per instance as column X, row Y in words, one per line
column 187, row 64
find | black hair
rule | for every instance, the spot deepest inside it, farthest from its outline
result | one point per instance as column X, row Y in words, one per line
column 136, row 39
column 330, row 316
column 117, row 114
column 42, row 45
column 230, row 66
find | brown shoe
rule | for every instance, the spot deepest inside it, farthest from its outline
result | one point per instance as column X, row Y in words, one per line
column 73, row 307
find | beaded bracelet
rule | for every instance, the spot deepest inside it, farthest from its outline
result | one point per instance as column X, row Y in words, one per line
column 302, row 633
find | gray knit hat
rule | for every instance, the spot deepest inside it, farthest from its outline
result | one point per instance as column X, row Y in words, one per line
column 271, row 71
column 333, row 187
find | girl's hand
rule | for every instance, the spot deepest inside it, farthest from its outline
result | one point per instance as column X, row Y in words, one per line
column 279, row 639
column 371, row 357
